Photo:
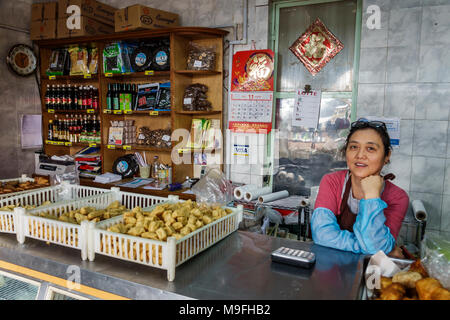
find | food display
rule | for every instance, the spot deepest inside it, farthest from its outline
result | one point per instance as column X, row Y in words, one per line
column 411, row 284
column 195, row 98
column 11, row 207
column 87, row 213
column 201, row 57
column 159, row 138
column 168, row 220
column 16, row 185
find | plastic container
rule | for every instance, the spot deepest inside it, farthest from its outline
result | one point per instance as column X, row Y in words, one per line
column 160, row 254
column 23, row 178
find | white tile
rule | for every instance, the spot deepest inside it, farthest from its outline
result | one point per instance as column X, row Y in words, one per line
column 401, row 65
column 240, row 168
column 239, row 177
column 434, row 64
column 436, row 25
column 427, row 175
column 257, row 180
column 430, row 138
column 404, row 27
column 433, row 101
column 260, row 169
column 372, row 65
column 400, row 101
column 370, row 100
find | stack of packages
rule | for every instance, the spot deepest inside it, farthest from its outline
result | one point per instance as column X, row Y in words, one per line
column 203, row 134
column 50, row 20
column 89, row 162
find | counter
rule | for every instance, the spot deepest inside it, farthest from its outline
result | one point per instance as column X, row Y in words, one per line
column 238, row 267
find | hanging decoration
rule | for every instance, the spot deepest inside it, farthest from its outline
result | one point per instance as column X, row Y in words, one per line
column 316, row 47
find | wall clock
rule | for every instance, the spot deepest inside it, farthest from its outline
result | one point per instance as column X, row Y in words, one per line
column 21, row 60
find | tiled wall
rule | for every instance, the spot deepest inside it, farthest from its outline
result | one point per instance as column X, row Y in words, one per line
column 405, row 73
column 18, row 95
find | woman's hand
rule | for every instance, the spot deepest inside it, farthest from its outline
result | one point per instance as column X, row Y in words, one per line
column 396, row 253
column 371, row 186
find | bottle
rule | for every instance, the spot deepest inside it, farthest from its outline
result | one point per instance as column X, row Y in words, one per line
column 52, row 97
column 55, row 129
column 75, row 98
column 95, row 98
column 108, row 98
column 50, row 130
column 69, row 97
column 63, row 97
column 116, row 105
column 90, row 97
column 155, row 168
column 47, row 97
column 58, row 98
column 80, row 98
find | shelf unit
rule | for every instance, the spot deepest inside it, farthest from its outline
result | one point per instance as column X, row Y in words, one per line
column 178, row 76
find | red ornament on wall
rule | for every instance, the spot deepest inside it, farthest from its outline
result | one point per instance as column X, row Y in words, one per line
column 316, row 47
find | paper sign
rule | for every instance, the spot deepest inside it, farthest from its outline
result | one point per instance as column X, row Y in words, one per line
column 306, row 109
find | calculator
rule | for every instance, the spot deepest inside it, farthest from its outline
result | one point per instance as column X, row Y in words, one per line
column 295, row 257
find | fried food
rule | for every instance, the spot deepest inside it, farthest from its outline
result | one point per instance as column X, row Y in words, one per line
column 418, row 267
column 426, row 286
column 385, row 282
column 440, row 294
column 393, row 292
column 407, row 278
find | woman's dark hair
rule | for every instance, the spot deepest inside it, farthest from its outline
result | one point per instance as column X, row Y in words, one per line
column 378, row 126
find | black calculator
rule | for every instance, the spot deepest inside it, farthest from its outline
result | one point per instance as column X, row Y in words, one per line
column 295, row 257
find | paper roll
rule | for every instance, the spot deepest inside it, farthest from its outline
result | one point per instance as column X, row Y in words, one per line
column 239, row 192
column 273, row 196
column 254, row 194
column 420, row 214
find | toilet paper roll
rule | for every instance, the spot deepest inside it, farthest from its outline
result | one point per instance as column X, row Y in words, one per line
column 254, row 194
column 273, row 196
column 420, row 214
column 239, row 192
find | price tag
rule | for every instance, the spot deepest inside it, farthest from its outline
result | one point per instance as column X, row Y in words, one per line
column 117, row 111
column 128, row 111
column 197, row 64
column 68, row 144
column 107, row 111
column 51, row 77
column 154, row 113
column 51, row 110
column 126, row 147
column 90, row 110
column 48, row 142
column 87, row 76
column 108, row 74
column 149, row 72
column 60, row 143
column 111, row 146
column 92, row 144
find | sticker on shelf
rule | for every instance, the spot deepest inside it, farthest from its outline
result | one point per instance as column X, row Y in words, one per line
column 90, row 110
column 107, row 111
column 51, row 110
column 128, row 111
column 149, row 72
column 117, row 111
column 92, row 144
column 68, row 144
column 108, row 74
column 51, row 77
column 154, row 113
column 87, row 76
column 126, row 147
column 111, row 146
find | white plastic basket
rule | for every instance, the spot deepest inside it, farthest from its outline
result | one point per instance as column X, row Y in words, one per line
column 159, row 254
column 69, row 234
column 36, row 197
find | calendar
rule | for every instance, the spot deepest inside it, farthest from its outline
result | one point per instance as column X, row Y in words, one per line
column 251, row 110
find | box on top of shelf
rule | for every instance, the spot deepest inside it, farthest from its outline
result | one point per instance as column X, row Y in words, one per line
column 88, row 27
column 137, row 17
column 44, row 11
column 88, row 8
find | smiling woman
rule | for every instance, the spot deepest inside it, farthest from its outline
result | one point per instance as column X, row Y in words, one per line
column 359, row 210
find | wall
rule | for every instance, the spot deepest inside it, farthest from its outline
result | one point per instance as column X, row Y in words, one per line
column 405, row 73
column 17, row 95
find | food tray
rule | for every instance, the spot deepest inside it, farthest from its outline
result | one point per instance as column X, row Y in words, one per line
column 70, row 234
column 36, row 197
column 160, row 254
column 21, row 179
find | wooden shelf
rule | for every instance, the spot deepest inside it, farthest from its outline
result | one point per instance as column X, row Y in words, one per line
column 93, row 77
column 70, row 144
column 73, row 111
column 137, row 147
column 132, row 75
column 197, row 72
column 151, row 113
column 199, row 112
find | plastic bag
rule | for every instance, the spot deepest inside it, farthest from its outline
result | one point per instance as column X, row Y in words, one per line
column 78, row 61
column 195, row 98
column 436, row 256
column 213, row 188
column 93, row 61
column 112, row 58
column 201, row 58
column 57, row 63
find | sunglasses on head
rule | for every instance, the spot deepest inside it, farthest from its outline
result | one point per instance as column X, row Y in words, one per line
column 364, row 123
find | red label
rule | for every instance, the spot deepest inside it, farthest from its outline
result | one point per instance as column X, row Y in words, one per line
column 250, row 127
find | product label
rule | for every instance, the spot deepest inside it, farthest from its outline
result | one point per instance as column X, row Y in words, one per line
column 187, row 101
column 197, row 64
column 161, row 58
column 140, row 59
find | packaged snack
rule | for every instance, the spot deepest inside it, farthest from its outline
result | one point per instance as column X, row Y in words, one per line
column 163, row 98
column 147, row 96
column 93, row 61
column 57, row 62
column 195, row 98
column 78, row 61
column 112, row 59
column 201, row 58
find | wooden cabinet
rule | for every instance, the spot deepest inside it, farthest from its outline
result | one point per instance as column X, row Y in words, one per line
column 179, row 76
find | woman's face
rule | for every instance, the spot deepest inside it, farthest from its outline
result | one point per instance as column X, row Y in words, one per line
column 365, row 153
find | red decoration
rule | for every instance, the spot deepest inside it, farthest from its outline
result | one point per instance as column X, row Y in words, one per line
column 252, row 71
column 316, row 47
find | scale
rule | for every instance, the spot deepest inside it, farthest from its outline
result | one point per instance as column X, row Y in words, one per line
column 44, row 165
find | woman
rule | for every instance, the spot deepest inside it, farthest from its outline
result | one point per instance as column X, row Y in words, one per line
column 359, row 210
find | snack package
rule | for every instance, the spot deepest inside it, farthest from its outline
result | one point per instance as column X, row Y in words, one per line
column 195, row 98
column 112, row 59
column 201, row 58
column 163, row 98
column 93, row 61
column 57, row 63
column 160, row 138
column 196, row 137
column 147, row 96
column 78, row 61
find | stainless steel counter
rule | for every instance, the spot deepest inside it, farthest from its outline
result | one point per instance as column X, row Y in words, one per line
column 238, row 267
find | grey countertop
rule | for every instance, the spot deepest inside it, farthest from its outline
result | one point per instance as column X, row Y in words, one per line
column 238, row 267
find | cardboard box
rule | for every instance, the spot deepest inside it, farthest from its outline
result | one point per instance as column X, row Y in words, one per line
column 45, row 29
column 88, row 27
column 140, row 17
column 89, row 8
column 44, row 11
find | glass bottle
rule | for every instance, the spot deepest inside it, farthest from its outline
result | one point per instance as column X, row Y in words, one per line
column 155, row 168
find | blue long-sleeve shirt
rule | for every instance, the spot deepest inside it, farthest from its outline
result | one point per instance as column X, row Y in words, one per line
column 370, row 234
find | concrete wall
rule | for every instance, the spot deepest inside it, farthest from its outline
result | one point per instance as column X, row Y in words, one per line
column 405, row 73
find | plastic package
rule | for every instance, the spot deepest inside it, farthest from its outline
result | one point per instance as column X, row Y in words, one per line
column 436, row 256
column 201, row 58
column 78, row 61
column 195, row 98
column 112, row 58
column 57, row 63
column 93, row 61
column 213, row 188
